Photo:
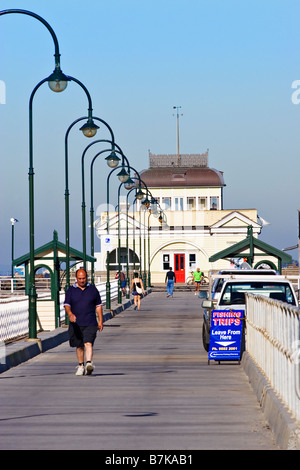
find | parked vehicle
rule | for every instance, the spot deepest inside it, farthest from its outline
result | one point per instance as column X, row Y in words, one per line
column 219, row 278
column 232, row 296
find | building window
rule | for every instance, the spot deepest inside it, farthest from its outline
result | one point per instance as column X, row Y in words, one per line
column 166, row 262
column 192, row 261
column 202, row 203
column 214, row 203
column 178, row 203
column 166, row 203
column 191, row 203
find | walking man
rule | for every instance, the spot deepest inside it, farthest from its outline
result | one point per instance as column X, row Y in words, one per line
column 170, row 280
column 82, row 303
column 197, row 279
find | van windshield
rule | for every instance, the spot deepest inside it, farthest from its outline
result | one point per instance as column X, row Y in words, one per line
column 234, row 293
column 219, row 281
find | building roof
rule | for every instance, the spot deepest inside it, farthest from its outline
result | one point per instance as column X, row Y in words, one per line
column 181, row 170
column 44, row 251
column 182, row 176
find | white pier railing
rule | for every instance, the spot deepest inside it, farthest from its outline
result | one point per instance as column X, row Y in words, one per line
column 273, row 341
column 14, row 312
column 13, row 318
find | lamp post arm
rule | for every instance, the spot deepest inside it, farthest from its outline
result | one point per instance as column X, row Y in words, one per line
column 91, row 175
column 112, row 142
column 92, row 207
column 32, row 290
column 45, row 23
column 90, row 107
column 30, row 121
column 82, row 163
column 86, row 92
column 67, row 209
column 67, row 193
column 119, row 248
column 108, row 299
column 66, row 153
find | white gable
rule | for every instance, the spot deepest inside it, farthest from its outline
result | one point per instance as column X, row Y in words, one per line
column 235, row 222
column 101, row 223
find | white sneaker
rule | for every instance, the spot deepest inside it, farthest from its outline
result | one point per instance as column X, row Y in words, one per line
column 89, row 368
column 80, row 370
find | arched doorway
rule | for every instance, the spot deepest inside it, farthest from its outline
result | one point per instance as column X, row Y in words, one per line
column 183, row 256
column 133, row 260
column 266, row 264
column 43, row 278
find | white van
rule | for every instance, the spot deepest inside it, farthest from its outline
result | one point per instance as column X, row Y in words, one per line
column 217, row 280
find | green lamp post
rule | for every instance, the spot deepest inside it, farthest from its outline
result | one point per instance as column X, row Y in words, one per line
column 57, row 82
column 88, row 132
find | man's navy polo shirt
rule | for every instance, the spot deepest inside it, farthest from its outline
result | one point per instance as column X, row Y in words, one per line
column 83, row 304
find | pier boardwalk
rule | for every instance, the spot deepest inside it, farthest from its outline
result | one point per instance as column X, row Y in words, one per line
column 152, row 388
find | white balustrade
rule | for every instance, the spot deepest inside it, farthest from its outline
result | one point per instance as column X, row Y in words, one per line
column 14, row 311
column 273, row 341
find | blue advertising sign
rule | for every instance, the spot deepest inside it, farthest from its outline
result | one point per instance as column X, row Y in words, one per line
column 226, row 335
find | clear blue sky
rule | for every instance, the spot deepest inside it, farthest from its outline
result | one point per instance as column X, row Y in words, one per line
column 230, row 64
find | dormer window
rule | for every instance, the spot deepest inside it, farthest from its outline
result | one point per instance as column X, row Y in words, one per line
column 202, row 203
column 214, row 203
column 191, row 203
column 178, row 203
column 166, row 203
column 178, row 177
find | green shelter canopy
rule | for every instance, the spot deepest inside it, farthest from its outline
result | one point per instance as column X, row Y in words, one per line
column 251, row 248
column 53, row 249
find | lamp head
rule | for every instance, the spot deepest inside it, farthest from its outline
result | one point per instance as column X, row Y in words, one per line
column 112, row 160
column 139, row 195
column 58, row 81
column 89, row 129
column 146, row 202
column 129, row 184
column 123, row 175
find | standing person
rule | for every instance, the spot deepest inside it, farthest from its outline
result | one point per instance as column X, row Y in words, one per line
column 197, row 280
column 137, row 290
column 123, row 282
column 170, row 280
column 82, row 303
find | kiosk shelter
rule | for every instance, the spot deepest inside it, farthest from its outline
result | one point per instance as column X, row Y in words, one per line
column 49, row 258
column 257, row 253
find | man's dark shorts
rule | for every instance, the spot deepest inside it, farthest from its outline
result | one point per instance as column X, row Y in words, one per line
column 78, row 335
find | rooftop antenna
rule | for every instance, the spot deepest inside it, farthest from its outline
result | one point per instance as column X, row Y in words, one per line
column 177, row 107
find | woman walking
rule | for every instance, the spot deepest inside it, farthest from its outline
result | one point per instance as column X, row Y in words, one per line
column 137, row 290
